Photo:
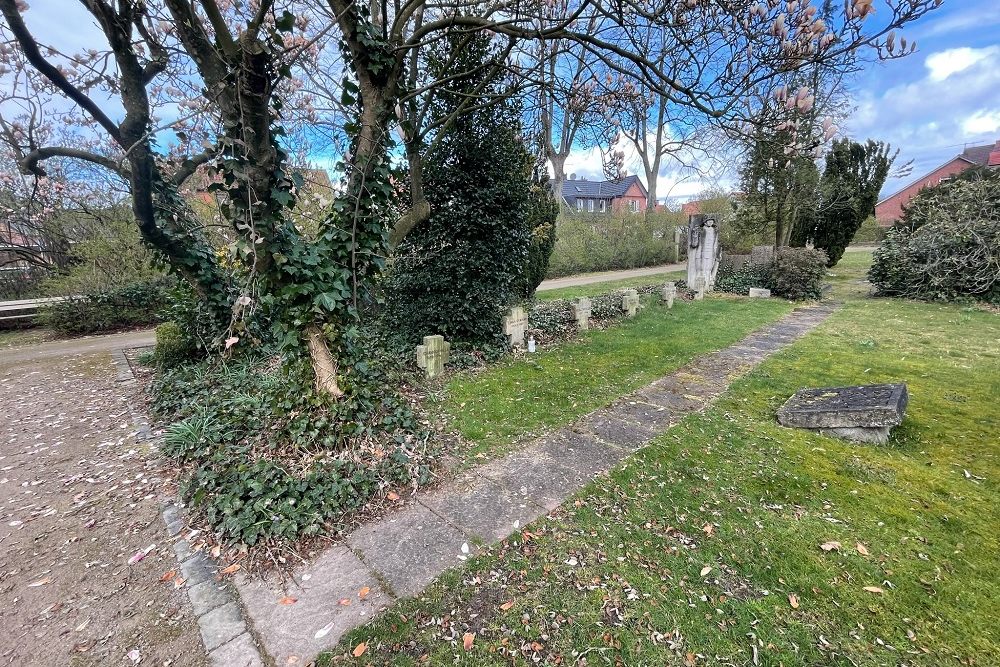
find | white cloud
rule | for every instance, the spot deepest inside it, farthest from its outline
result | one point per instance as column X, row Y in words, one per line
column 982, row 122
column 951, row 61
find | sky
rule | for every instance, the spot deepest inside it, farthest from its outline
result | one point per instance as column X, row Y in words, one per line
column 929, row 105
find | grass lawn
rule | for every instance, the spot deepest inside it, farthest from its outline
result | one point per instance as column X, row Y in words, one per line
column 707, row 548
column 594, row 289
column 494, row 408
column 20, row 337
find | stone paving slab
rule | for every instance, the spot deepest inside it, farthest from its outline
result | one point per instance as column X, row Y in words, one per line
column 289, row 629
column 409, row 548
column 482, row 508
column 238, row 652
column 221, row 625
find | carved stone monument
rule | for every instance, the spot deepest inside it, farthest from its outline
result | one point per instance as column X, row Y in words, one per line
column 630, row 302
column 515, row 325
column 669, row 294
column 703, row 250
column 581, row 311
column 433, row 355
column 862, row 414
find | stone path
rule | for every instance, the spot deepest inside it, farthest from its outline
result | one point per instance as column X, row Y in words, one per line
column 74, row 346
column 400, row 554
column 604, row 276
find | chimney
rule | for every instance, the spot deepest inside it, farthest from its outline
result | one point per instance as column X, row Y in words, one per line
column 994, row 160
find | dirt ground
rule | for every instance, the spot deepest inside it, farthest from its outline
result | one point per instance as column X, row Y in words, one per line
column 79, row 502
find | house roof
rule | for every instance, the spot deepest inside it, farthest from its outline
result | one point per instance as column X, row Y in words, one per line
column 583, row 189
column 976, row 155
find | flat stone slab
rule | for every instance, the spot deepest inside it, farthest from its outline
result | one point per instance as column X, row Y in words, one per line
column 482, row 507
column 220, row 625
column 410, row 548
column 582, row 452
column 864, row 413
column 533, row 474
column 298, row 618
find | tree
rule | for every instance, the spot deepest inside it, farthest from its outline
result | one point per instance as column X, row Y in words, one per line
column 853, row 177
column 457, row 272
column 234, row 68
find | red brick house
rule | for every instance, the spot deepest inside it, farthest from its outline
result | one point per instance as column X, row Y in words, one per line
column 624, row 195
column 890, row 209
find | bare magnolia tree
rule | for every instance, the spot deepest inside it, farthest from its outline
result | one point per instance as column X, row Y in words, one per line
column 227, row 77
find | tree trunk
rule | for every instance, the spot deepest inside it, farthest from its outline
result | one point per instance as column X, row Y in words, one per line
column 323, row 364
column 559, row 177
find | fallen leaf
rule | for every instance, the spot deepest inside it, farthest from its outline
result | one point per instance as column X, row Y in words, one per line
column 287, row 600
column 862, row 549
column 229, row 570
column 232, row 340
column 830, row 546
column 178, row 582
column 689, row 660
column 134, row 656
column 708, row 529
column 359, row 650
column 363, row 593
column 793, row 600
column 168, row 575
column 392, row 495
column 465, row 547
column 139, row 555
column 344, row 602
column 83, row 625
column 40, row 582
column 705, row 570
column 874, row 589
column 216, row 551
column 467, row 640
column 507, row 605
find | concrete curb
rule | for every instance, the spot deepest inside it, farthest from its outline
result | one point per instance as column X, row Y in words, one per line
column 224, row 632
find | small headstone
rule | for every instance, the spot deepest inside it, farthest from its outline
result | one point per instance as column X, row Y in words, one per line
column 581, row 311
column 669, row 293
column 699, row 289
column 760, row 293
column 433, row 355
column 515, row 325
column 630, row 302
column 862, row 414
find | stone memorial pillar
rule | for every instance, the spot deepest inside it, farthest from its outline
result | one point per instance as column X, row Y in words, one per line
column 703, row 250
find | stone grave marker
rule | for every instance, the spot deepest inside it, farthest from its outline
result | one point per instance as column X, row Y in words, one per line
column 515, row 325
column 669, row 294
column 699, row 288
column 581, row 311
column 761, row 255
column 862, row 413
column 433, row 355
column 703, row 249
column 760, row 293
column 630, row 302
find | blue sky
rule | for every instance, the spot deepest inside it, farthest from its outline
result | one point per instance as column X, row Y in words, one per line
column 946, row 95
column 929, row 104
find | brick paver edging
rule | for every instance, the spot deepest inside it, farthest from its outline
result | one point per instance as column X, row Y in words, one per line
column 224, row 632
column 399, row 554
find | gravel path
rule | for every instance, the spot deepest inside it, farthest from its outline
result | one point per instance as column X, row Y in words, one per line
column 79, row 499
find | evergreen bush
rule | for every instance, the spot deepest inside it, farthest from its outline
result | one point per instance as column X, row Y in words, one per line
column 798, row 273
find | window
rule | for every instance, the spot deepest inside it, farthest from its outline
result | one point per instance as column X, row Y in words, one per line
column 604, row 205
column 590, row 205
column 633, row 206
column 579, row 204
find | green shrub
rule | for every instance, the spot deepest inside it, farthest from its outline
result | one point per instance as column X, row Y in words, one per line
column 262, row 464
column 594, row 242
column 173, row 345
column 798, row 273
column 947, row 247
column 556, row 317
column 133, row 305
column 869, row 232
column 740, row 282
